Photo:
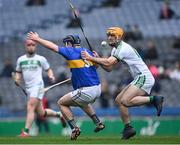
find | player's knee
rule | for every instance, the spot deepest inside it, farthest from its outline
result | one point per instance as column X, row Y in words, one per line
column 31, row 106
column 117, row 101
column 124, row 101
column 59, row 102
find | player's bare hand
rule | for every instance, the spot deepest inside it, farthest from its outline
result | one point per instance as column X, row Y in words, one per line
column 33, row 36
column 52, row 79
column 85, row 55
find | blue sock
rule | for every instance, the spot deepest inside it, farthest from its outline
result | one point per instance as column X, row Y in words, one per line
column 72, row 123
column 95, row 119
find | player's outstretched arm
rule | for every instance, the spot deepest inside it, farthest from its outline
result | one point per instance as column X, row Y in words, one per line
column 106, row 63
column 48, row 44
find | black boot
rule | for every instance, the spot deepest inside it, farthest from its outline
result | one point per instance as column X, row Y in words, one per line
column 128, row 132
column 158, row 104
column 99, row 127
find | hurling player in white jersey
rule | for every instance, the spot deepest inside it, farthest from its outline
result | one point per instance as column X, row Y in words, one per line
column 30, row 67
column 138, row 91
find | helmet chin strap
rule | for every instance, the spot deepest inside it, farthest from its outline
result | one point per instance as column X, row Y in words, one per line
column 76, row 45
column 116, row 43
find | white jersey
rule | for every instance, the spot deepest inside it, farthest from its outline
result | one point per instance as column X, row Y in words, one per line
column 31, row 69
column 125, row 52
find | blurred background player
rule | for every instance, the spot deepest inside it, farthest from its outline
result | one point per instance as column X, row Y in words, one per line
column 42, row 121
column 30, row 66
column 85, row 81
column 74, row 22
column 138, row 91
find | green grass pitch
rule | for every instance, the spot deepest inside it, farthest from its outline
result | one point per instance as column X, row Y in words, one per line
column 91, row 140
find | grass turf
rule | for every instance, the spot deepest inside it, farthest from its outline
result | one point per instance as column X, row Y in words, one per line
column 91, row 140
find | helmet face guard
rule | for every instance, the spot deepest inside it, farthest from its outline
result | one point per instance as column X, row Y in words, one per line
column 73, row 39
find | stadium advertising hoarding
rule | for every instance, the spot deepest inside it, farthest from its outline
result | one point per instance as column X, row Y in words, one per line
column 144, row 126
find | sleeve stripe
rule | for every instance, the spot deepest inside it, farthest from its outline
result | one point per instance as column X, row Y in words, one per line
column 116, row 58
